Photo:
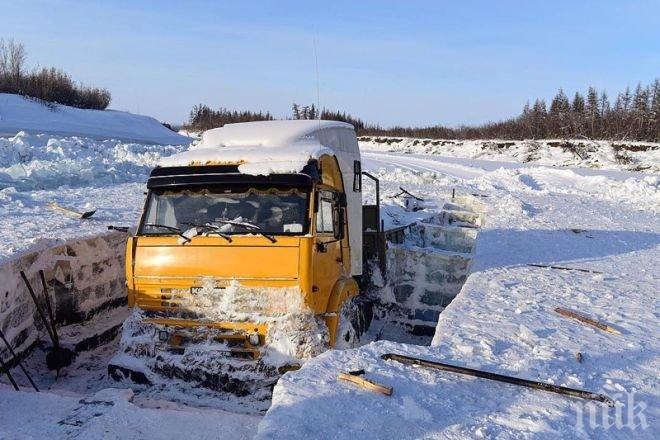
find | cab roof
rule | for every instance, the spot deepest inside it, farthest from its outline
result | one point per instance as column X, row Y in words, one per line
column 269, row 147
column 266, row 133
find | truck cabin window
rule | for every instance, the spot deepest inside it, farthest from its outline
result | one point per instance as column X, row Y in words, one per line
column 228, row 211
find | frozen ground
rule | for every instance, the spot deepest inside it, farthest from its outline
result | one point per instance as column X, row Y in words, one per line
column 503, row 320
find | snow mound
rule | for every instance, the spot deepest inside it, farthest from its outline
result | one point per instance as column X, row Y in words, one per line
column 613, row 155
column 29, row 162
column 18, row 113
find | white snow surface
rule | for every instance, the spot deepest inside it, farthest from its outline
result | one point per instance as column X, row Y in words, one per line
column 76, row 172
column 254, row 160
column 502, row 321
column 586, row 153
column 18, row 113
column 265, row 133
column 110, row 414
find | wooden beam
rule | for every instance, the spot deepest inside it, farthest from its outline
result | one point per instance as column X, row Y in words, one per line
column 585, row 319
column 366, row 383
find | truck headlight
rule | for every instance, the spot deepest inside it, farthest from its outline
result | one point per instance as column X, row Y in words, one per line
column 163, row 335
column 253, row 338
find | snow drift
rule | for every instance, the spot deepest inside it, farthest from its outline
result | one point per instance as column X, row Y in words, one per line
column 18, row 113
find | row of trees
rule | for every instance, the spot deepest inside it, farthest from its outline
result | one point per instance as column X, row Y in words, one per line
column 632, row 116
column 310, row 112
column 202, row 117
column 48, row 84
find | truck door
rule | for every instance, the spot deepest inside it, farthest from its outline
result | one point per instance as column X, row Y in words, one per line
column 328, row 259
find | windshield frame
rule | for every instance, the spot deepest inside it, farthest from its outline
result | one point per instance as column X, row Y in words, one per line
column 306, row 190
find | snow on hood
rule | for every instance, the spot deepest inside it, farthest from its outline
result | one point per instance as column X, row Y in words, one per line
column 253, row 160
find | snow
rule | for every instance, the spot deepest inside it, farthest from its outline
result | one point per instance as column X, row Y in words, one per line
column 585, row 153
column 33, row 162
column 18, row 113
column 266, row 133
column 504, row 321
column 254, row 160
column 602, row 219
column 110, row 414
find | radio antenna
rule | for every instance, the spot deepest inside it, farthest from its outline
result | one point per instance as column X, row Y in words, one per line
column 318, row 87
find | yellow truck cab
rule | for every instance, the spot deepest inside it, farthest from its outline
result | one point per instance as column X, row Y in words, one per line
column 251, row 239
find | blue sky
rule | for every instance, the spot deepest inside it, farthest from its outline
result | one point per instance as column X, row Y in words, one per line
column 392, row 62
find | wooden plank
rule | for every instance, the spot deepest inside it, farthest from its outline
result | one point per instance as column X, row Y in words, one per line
column 366, row 383
column 585, row 319
column 70, row 212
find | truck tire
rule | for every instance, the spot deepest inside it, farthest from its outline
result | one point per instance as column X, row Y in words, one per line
column 354, row 320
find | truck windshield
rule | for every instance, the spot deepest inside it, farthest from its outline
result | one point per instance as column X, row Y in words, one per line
column 271, row 211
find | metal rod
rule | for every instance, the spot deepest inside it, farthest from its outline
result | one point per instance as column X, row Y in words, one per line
column 36, row 304
column 50, row 308
column 563, row 268
column 18, row 361
column 4, row 368
column 499, row 377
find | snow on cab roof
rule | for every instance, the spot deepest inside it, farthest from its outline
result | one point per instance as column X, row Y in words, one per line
column 262, row 148
column 266, row 133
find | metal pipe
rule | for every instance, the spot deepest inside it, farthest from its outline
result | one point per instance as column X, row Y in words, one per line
column 4, row 368
column 49, row 307
column 39, row 311
column 500, row 378
column 18, row 361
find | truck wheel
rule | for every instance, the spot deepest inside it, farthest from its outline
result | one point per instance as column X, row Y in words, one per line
column 354, row 320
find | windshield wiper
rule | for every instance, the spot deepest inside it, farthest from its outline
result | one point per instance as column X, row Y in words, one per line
column 170, row 228
column 248, row 226
column 214, row 229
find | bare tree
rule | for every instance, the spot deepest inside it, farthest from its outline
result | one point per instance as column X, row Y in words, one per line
column 12, row 58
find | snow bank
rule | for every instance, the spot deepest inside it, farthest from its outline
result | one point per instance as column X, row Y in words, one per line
column 634, row 156
column 18, row 113
column 86, row 276
column 76, row 172
column 43, row 161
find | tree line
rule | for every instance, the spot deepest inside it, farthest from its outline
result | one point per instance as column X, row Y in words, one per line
column 47, row 84
column 202, row 117
column 634, row 115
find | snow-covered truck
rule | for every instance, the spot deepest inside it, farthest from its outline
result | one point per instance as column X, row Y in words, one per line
column 246, row 257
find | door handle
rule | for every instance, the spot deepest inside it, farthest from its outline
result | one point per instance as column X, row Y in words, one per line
column 321, row 247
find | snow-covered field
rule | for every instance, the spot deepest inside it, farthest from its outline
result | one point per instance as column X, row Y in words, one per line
column 585, row 153
column 18, row 113
column 503, row 321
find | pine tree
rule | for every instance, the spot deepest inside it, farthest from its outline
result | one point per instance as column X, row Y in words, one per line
column 296, row 111
column 654, row 111
column 593, row 113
